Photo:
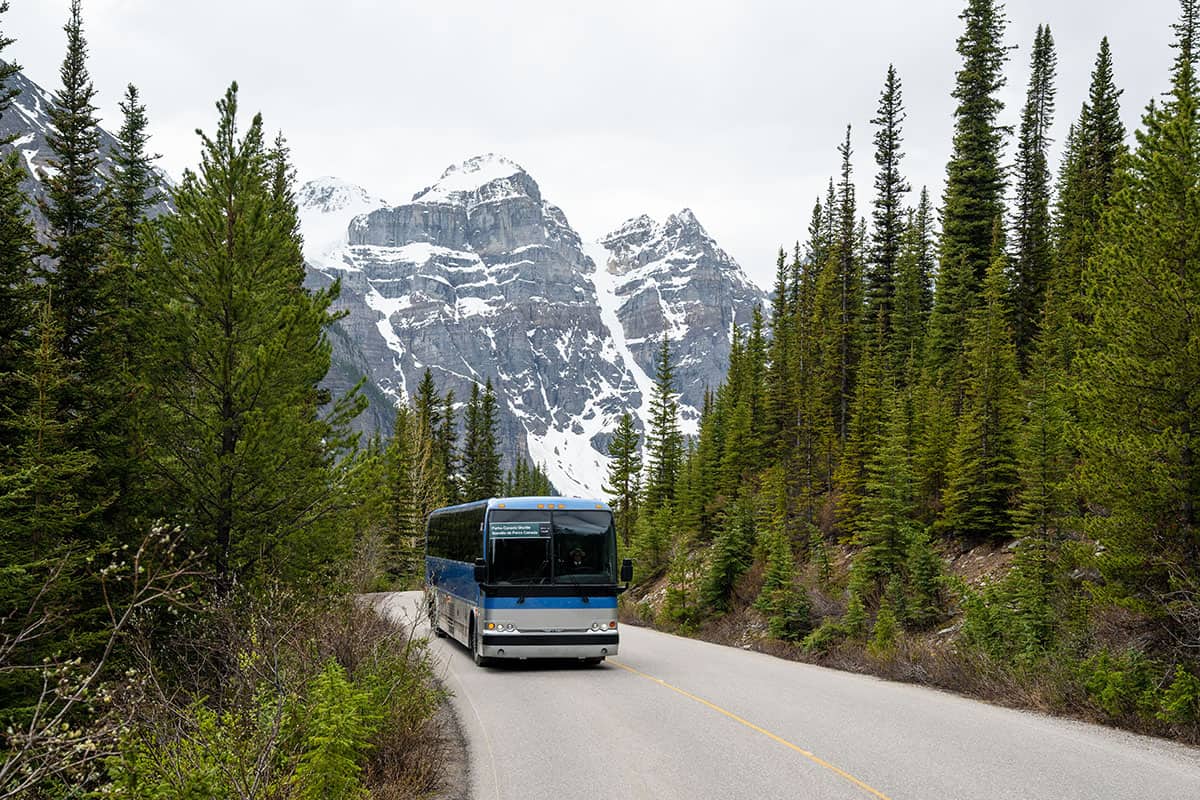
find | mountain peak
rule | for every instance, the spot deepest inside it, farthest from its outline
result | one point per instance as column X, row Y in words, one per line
column 472, row 175
column 328, row 194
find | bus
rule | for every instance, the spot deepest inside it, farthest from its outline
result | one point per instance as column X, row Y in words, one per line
column 526, row 577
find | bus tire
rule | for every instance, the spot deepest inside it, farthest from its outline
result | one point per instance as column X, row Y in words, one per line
column 477, row 646
column 593, row 661
column 435, row 616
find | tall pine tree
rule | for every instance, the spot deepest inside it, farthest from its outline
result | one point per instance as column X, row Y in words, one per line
column 1033, row 257
column 240, row 439
column 664, row 443
column 974, row 195
column 888, row 213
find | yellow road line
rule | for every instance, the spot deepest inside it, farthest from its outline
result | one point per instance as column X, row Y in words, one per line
column 810, row 756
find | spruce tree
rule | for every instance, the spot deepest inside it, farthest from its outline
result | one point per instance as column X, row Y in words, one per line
column 974, row 195
column 888, row 213
column 445, row 444
column 239, row 438
column 488, row 455
column 664, row 443
column 624, row 466
column 1033, row 257
column 17, row 291
column 44, row 497
column 981, row 474
column 1044, row 465
column 866, row 431
column 471, row 447
column 730, row 556
column 75, row 205
column 431, row 464
column 906, row 343
column 1094, row 148
column 1137, row 380
column 888, row 509
column 404, row 523
column 135, row 186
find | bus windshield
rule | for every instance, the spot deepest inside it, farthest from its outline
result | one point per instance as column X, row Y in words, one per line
column 543, row 546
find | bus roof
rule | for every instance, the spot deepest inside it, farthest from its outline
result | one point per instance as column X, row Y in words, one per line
column 532, row 503
column 568, row 503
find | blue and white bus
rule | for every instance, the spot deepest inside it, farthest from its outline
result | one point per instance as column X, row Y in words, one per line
column 526, row 577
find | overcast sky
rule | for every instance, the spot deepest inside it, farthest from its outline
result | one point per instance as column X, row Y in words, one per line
column 616, row 108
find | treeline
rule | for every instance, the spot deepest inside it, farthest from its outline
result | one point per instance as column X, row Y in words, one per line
column 1021, row 366
column 172, row 472
column 427, row 467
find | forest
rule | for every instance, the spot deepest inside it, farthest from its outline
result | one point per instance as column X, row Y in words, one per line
column 1014, row 371
column 187, row 518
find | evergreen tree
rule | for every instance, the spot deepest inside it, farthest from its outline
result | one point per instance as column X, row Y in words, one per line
column 405, row 529
column 888, row 213
column 481, row 459
column 75, row 206
column 981, row 473
column 446, row 448
column 44, row 497
column 923, row 604
column 241, row 346
column 1044, row 464
column 664, row 443
column 431, row 462
column 135, row 186
column 17, row 291
column 887, row 516
column 624, row 467
column 848, row 287
column 911, row 313
column 653, row 533
column 1033, row 257
column 1094, row 148
column 974, row 196
column 1137, row 380
column 866, row 430
column 730, row 556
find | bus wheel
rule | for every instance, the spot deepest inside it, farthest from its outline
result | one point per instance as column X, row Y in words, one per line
column 435, row 616
column 477, row 646
column 591, row 662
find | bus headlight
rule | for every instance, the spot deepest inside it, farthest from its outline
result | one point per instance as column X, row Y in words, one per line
column 595, row 626
column 510, row 627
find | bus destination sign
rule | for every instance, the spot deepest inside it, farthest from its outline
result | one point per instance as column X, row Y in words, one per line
column 501, row 530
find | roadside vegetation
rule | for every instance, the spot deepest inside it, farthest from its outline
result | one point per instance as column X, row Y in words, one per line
column 186, row 517
column 1010, row 378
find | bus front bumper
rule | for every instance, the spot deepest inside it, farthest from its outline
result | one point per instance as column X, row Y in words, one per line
column 550, row 645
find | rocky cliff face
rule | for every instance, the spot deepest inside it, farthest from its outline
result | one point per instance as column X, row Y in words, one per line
column 672, row 278
column 479, row 276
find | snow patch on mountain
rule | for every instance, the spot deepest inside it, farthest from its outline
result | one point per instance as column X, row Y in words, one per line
column 461, row 180
column 606, row 293
column 327, row 207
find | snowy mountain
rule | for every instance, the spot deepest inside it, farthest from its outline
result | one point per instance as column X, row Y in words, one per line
column 673, row 277
column 478, row 277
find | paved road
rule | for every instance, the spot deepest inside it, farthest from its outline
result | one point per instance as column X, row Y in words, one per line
column 678, row 718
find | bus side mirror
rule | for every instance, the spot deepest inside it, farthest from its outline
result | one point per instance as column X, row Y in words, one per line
column 626, row 571
column 480, row 570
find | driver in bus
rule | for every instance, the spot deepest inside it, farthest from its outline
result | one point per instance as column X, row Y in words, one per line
column 576, row 562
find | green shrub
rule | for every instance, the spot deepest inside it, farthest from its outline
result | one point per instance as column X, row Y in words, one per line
column 1180, row 702
column 824, row 637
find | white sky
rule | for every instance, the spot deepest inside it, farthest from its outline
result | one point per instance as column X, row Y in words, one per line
column 616, row 108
